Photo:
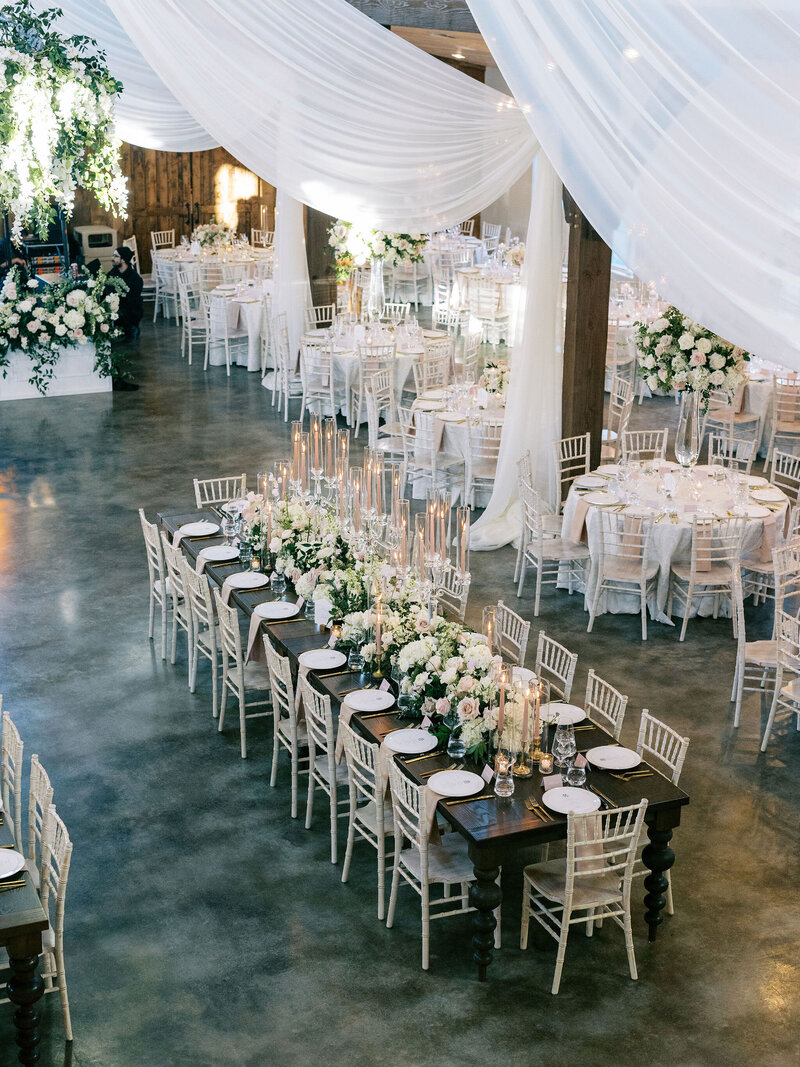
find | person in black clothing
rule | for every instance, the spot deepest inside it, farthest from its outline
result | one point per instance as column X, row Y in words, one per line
column 130, row 303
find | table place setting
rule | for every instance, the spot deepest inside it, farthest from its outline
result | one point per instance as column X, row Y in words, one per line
column 11, row 864
column 196, row 531
column 216, row 556
column 242, row 582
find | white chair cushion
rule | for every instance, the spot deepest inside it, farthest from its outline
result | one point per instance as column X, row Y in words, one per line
column 284, row 731
column 762, row 653
column 619, row 569
column 368, row 817
column 557, row 548
column 448, row 863
column 204, row 638
column 256, row 676
column 718, row 574
column 321, row 768
column 550, row 879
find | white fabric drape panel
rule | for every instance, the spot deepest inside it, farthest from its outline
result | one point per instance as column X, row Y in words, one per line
column 676, row 127
column 147, row 113
column 291, row 291
column 324, row 103
column 533, row 412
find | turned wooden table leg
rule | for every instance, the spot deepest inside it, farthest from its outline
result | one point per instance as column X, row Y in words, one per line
column 658, row 857
column 485, row 896
column 25, row 987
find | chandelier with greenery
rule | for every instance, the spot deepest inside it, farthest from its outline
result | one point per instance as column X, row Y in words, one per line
column 56, row 121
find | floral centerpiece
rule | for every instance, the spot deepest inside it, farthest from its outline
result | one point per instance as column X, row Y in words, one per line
column 354, row 247
column 495, row 377
column 41, row 322
column 56, row 121
column 677, row 353
column 213, row 234
column 513, row 254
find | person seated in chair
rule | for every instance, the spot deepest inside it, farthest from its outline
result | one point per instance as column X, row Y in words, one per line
column 130, row 302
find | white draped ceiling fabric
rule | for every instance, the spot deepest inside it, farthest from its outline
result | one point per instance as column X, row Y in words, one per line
column 329, row 106
column 676, row 127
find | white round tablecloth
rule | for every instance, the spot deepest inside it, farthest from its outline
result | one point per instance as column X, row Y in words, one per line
column 245, row 311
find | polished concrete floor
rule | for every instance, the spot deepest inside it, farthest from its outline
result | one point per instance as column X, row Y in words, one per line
column 204, row 926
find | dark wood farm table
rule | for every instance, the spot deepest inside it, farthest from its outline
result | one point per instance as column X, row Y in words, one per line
column 494, row 827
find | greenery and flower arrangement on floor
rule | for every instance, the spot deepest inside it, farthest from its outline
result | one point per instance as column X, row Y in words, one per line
column 354, row 247
column 677, row 353
column 56, row 121
column 496, row 377
column 445, row 670
column 213, row 235
column 41, row 323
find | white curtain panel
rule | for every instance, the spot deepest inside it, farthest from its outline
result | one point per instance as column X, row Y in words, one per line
column 675, row 124
column 291, row 291
column 323, row 102
column 147, row 113
column 533, row 412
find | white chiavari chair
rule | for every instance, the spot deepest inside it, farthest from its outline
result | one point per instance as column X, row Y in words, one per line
column 510, row 635
column 572, row 460
column 466, row 227
column 262, row 238
column 549, row 553
column 316, row 373
column 483, row 450
column 556, row 664
column 181, row 612
column 370, row 815
column 324, row 772
column 645, row 444
column 785, row 412
column 490, row 236
column 208, row 491
column 320, row 316
column 592, row 882
column 620, row 404
column 487, row 306
column 237, row 676
column 445, row 311
column 733, row 454
column 423, row 864
column 786, row 695
column 714, row 568
column 161, row 591
column 148, row 281
column 421, row 455
column 723, row 417
column 217, row 312
column 386, row 436
column 40, row 797
column 165, row 298
column 605, row 705
column 621, row 562
column 371, row 360
column 287, row 732
column 56, row 857
column 665, row 749
column 193, row 318
column 398, row 310
column 471, row 356
column 412, row 280
column 162, row 239
column 205, row 639
column 785, row 474
column 452, row 591
column 11, row 751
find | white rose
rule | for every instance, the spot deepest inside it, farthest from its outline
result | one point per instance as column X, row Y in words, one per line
column 659, row 325
column 652, row 382
column 703, row 344
column 74, row 297
column 662, row 374
column 104, row 327
column 717, row 361
column 33, row 284
column 686, row 341
column 649, row 362
column 61, row 329
column 717, row 377
column 33, row 326
column 13, row 332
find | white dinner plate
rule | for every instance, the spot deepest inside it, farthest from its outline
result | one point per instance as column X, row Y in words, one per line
column 218, row 552
column 275, row 609
column 452, row 416
column 756, row 511
column 590, row 481
column 225, row 289
column 322, row 659
column 613, row 758
column 456, row 783
column 234, row 505
column 247, row 580
column 568, row 714
column 567, row 798
column 433, row 394
column 602, row 499
column 523, row 675
column 429, row 405
column 198, row 529
column 410, row 741
column 608, row 468
column 758, row 483
column 369, row 700
column 768, row 496
column 10, row 862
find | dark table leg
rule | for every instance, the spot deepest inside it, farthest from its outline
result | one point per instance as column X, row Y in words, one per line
column 485, row 896
column 658, row 857
column 25, row 987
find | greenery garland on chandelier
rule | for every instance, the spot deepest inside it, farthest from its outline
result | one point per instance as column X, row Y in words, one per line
column 56, row 121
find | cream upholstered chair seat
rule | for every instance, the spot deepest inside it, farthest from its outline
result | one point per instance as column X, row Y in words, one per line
column 256, row 675
column 763, row 653
column 368, row 816
column 207, row 640
column 550, row 878
column 717, row 573
column 623, row 570
column 448, row 863
column 285, row 731
column 321, row 768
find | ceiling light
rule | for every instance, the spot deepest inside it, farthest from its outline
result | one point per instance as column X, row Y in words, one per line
column 458, row 55
column 630, row 52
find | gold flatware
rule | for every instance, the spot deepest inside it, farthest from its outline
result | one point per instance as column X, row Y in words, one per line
column 378, row 714
column 588, row 726
column 6, row 846
column 416, row 759
column 334, row 674
column 285, row 622
column 203, row 537
column 538, row 810
column 467, row 800
column 438, row 770
column 594, row 789
column 18, row 884
column 630, row 777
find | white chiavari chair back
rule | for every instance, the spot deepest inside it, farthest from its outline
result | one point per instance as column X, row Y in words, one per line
column 11, row 752
column 236, row 677
column 660, row 744
column 605, row 705
column 714, row 567
column 645, row 444
column 623, row 563
column 181, row 612
column 371, row 360
column 262, row 238
column 320, row 316
column 511, row 634
column 785, row 410
column 205, row 637
column 786, row 695
column 287, row 732
column 556, row 664
column 316, row 374
column 162, row 239
column 452, row 591
column 324, row 772
column 208, row 491
column 572, row 460
column 161, row 591
column 483, row 450
column 731, row 453
column 785, row 474
column 40, row 797
column 56, row 860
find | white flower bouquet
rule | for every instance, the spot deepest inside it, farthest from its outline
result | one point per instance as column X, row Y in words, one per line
column 677, row 353
column 354, row 247
column 213, row 235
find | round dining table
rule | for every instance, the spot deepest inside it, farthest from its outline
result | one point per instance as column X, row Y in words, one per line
column 244, row 308
column 660, row 494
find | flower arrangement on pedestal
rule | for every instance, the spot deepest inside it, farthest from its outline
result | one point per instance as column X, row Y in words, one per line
column 39, row 323
column 677, row 353
column 56, row 120
column 213, row 235
column 355, row 247
column 512, row 254
column 496, row 377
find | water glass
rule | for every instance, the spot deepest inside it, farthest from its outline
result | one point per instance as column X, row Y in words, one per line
column 277, row 582
column 355, row 659
column 456, row 746
column 576, row 775
column 245, row 554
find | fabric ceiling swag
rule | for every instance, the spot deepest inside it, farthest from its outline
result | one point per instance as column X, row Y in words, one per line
column 676, row 127
column 147, row 114
column 334, row 109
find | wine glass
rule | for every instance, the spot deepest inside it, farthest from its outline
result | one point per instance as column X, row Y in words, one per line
column 228, row 527
column 564, row 746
